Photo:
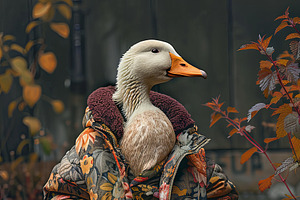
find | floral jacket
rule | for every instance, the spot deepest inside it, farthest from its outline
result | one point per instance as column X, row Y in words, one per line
column 95, row 169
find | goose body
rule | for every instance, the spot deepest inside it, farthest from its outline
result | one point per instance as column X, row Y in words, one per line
column 148, row 133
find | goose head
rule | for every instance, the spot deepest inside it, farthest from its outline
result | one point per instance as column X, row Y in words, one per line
column 146, row 64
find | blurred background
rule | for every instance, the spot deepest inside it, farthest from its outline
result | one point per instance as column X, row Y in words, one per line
column 206, row 33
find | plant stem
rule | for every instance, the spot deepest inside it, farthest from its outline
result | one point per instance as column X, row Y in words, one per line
column 255, row 143
column 281, row 84
column 282, row 179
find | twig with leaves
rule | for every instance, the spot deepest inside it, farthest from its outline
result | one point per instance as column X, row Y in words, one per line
column 17, row 66
column 283, row 72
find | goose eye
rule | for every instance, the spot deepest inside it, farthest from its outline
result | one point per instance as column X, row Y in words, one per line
column 154, row 51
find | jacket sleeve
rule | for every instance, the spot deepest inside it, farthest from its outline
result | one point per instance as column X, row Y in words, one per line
column 90, row 169
column 219, row 186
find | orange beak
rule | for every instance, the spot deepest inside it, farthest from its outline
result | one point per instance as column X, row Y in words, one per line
column 180, row 68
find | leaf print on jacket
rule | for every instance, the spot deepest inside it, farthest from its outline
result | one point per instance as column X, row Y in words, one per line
column 86, row 164
column 84, row 139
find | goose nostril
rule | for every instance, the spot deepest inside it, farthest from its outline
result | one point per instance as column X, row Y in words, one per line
column 182, row 64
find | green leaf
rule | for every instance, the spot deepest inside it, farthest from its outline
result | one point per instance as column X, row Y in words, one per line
column 46, row 145
column 19, row 64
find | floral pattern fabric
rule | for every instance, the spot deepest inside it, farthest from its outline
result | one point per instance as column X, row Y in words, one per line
column 95, row 169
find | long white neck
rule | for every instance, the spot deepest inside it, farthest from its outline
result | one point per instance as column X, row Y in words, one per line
column 131, row 94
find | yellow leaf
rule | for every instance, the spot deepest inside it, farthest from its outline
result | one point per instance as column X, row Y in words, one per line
column 106, row 187
column 17, row 48
column 31, row 94
column 40, row 9
column 19, row 64
column 6, row 80
column 65, row 11
column 58, row 106
column 26, row 78
column 31, row 25
column 292, row 36
column 33, row 124
column 284, row 110
column 248, row 155
column 179, row 192
column 61, row 29
column 48, row 62
column 282, row 62
column 29, row 45
column 284, row 82
column 11, row 107
column 112, row 178
column 22, row 145
column 8, row 37
column 49, row 15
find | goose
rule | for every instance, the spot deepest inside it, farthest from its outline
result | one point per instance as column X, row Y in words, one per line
column 148, row 133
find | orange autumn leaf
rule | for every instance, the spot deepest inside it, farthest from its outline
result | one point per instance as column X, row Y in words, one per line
column 281, row 17
column 265, row 64
column 296, row 20
column 280, row 131
column 281, row 26
column 232, row 110
column 265, row 43
column 268, row 140
column 249, row 46
column 292, row 36
column 296, row 146
column 58, row 106
column 40, row 9
column 233, row 131
column 61, row 29
column 48, row 62
column 248, row 155
column 214, row 118
column 265, row 183
column 285, row 108
column 282, row 62
column 31, row 94
column 276, row 97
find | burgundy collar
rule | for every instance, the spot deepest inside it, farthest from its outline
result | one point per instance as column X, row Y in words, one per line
column 104, row 109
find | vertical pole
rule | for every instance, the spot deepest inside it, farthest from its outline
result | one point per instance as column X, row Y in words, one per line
column 231, row 68
column 77, row 73
column 78, row 79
